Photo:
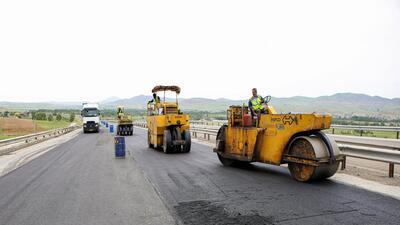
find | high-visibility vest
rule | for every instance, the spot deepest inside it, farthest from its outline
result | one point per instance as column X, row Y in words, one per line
column 256, row 103
column 155, row 99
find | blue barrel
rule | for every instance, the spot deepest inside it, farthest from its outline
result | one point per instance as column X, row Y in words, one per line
column 119, row 146
column 111, row 128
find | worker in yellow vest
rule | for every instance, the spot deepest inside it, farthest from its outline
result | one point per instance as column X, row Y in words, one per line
column 256, row 103
column 155, row 100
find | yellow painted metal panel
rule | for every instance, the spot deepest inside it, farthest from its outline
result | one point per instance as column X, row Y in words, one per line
column 241, row 141
column 281, row 127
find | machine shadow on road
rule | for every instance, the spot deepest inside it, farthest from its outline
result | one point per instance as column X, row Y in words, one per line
column 275, row 172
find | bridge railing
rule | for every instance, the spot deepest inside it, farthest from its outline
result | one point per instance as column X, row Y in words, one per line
column 362, row 130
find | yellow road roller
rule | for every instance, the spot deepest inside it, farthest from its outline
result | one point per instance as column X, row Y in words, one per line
column 125, row 122
column 168, row 127
column 273, row 138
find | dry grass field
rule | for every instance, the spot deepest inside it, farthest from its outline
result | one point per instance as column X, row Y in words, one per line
column 13, row 127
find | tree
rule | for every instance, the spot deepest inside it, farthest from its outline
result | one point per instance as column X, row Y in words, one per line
column 58, row 117
column 50, row 117
column 71, row 117
column 40, row 116
column 33, row 114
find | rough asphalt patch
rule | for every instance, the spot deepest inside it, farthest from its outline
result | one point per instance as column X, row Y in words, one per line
column 205, row 212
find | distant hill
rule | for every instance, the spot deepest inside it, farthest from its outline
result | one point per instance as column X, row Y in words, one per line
column 341, row 104
column 110, row 99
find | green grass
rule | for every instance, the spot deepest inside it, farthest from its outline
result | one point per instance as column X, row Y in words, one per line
column 3, row 137
column 50, row 125
column 378, row 134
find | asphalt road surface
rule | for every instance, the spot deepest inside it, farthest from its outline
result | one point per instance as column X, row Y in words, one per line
column 80, row 182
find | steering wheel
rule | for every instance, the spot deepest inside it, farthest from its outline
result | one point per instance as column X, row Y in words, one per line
column 267, row 98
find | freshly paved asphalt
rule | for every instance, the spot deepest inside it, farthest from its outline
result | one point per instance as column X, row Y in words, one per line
column 80, row 182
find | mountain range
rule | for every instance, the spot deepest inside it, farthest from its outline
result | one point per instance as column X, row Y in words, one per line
column 341, row 104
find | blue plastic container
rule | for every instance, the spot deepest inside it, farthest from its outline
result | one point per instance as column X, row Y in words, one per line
column 119, row 146
column 111, row 128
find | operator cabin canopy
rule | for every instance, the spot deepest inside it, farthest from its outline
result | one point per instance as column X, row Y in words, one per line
column 166, row 88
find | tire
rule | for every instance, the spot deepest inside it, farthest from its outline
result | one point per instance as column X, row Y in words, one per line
column 232, row 162
column 176, row 135
column 149, row 144
column 226, row 161
column 220, row 140
column 188, row 141
column 167, row 142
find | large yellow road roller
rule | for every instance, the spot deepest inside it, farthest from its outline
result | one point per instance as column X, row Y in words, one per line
column 272, row 138
column 168, row 127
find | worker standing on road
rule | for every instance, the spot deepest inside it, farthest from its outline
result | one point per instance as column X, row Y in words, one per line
column 256, row 103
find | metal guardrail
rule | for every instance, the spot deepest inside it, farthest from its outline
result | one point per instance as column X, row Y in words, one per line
column 361, row 129
column 376, row 149
column 13, row 144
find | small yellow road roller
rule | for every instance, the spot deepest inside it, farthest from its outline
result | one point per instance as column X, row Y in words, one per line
column 125, row 122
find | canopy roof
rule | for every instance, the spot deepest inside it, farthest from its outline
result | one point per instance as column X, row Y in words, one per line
column 166, row 88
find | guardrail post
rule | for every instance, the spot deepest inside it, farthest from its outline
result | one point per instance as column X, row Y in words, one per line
column 333, row 130
column 391, row 170
column 343, row 163
column 361, row 132
column 398, row 134
column 208, row 136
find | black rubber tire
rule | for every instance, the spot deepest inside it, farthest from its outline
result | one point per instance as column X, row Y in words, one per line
column 221, row 138
column 188, row 141
column 232, row 162
column 226, row 161
column 175, row 135
column 150, row 145
column 167, row 142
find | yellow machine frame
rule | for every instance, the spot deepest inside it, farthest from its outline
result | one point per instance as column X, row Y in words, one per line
column 165, row 117
column 273, row 136
column 125, row 122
